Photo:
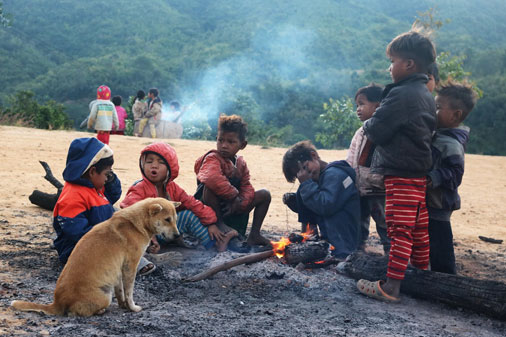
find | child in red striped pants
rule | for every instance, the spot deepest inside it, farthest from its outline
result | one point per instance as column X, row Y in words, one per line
column 402, row 127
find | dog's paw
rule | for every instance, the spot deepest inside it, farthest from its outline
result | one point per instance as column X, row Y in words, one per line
column 135, row 308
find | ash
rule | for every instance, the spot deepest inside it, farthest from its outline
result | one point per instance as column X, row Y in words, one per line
column 267, row 298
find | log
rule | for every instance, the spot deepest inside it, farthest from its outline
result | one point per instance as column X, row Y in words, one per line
column 306, row 252
column 483, row 296
column 50, row 177
column 46, row 200
column 229, row 264
column 491, row 240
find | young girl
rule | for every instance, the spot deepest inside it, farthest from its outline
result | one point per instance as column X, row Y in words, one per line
column 138, row 110
column 122, row 116
column 159, row 167
column 103, row 114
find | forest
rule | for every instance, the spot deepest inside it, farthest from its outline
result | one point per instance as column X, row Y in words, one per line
column 288, row 67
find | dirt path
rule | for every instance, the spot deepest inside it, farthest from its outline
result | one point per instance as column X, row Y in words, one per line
column 264, row 299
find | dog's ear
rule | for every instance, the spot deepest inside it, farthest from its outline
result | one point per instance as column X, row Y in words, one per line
column 154, row 209
column 176, row 204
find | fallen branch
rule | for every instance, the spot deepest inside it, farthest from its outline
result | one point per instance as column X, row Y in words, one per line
column 229, row 264
column 50, row 177
column 491, row 240
column 46, row 200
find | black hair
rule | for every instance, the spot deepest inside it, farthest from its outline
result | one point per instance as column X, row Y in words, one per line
column 116, row 100
column 233, row 123
column 154, row 91
column 460, row 95
column 415, row 46
column 433, row 70
column 372, row 92
column 141, row 94
column 298, row 153
column 175, row 104
column 101, row 165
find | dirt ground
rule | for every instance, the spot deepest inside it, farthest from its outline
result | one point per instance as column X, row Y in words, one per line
column 268, row 298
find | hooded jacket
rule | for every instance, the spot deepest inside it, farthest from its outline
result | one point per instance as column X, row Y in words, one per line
column 144, row 188
column 448, row 147
column 402, row 127
column 215, row 173
column 80, row 206
column 154, row 111
column 335, row 200
column 103, row 115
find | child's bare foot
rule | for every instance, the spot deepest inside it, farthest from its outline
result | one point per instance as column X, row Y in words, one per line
column 257, row 239
column 224, row 228
column 221, row 246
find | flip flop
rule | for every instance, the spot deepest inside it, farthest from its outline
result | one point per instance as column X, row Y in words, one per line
column 172, row 259
column 373, row 289
column 144, row 263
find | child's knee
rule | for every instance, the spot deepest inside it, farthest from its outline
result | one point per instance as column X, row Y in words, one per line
column 263, row 195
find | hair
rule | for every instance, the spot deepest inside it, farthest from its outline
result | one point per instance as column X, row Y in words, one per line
column 116, row 100
column 460, row 96
column 415, row 46
column 141, row 94
column 175, row 104
column 154, row 91
column 433, row 70
column 102, row 164
column 233, row 123
column 298, row 153
column 372, row 92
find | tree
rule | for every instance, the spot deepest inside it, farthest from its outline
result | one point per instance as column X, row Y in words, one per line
column 5, row 20
column 339, row 123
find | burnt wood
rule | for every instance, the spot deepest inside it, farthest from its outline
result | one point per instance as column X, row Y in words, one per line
column 46, row 200
column 306, row 252
column 483, row 296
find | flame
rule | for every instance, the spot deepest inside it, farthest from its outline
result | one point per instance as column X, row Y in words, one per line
column 308, row 233
column 279, row 247
column 319, row 262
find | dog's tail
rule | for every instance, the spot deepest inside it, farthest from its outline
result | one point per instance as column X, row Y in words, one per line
column 49, row 309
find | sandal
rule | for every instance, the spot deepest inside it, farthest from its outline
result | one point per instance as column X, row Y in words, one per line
column 373, row 289
column 145, row 267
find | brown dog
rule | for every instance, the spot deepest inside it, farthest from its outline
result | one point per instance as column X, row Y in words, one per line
column 106, row 259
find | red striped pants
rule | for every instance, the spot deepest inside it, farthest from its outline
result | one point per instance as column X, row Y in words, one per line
column 407, row 224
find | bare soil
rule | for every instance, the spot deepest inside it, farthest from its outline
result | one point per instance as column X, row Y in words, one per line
column 268, row 298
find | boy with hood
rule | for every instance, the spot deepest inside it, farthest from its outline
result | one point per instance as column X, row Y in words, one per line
column 90, row 190
column 159, row 167
column 327, row 196
column 103, row 116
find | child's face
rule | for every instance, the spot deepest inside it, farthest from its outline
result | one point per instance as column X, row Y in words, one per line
column 155, row 168
column 98, row 179
column 228, row 144
column 431, row 85
column 365, row 108
column 400, row 68
column 447, row 117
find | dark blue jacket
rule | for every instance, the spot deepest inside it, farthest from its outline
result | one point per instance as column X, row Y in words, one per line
column 448, row 147
column 402, row 127
column 80, row 206
column 335, row 203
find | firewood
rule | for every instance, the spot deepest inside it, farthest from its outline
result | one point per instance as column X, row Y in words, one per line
column 306, row 252
column 483, row 296
column 46, row 200
column 50, row 177
column 229, row 264
column 491, row 240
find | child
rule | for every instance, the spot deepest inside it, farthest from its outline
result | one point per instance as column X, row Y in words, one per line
column 433, row 75
column 453, row 103
column 139, row 108
column 122, row 115
column 401, row 127
column 103, row 114
column 327, row 196
column 175, row 112
column 159, row 167
column 153, row 114
column 370, row 186
column 224, row 182
column 90, row 190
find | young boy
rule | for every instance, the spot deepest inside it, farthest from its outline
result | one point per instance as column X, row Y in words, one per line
column 139, row 108
column 433, row 75
column 370, row 186
column 224, row 182
column 327, row 196
column 153, row 114
column 103, row 114
column 401, row 128
column 90, row 190
column 453, row 103
column 159, row 167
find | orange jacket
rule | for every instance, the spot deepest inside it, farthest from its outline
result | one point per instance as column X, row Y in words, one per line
column 144, row 188
column 214, row 172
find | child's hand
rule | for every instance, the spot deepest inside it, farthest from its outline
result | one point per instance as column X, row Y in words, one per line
column 215, row 233
column 154, row 247
column 303, row 174
column 232, row 207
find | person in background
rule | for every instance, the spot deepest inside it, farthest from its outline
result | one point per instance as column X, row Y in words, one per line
column 102, row 114
column 122, row 116
column 139, row 108
column 433, row 74
column 369, row 185
column 153, row 113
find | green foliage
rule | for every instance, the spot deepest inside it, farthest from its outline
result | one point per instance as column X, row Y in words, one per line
column 452, row 68
column 339, row 123
column 4, row 18
column 25, row 111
